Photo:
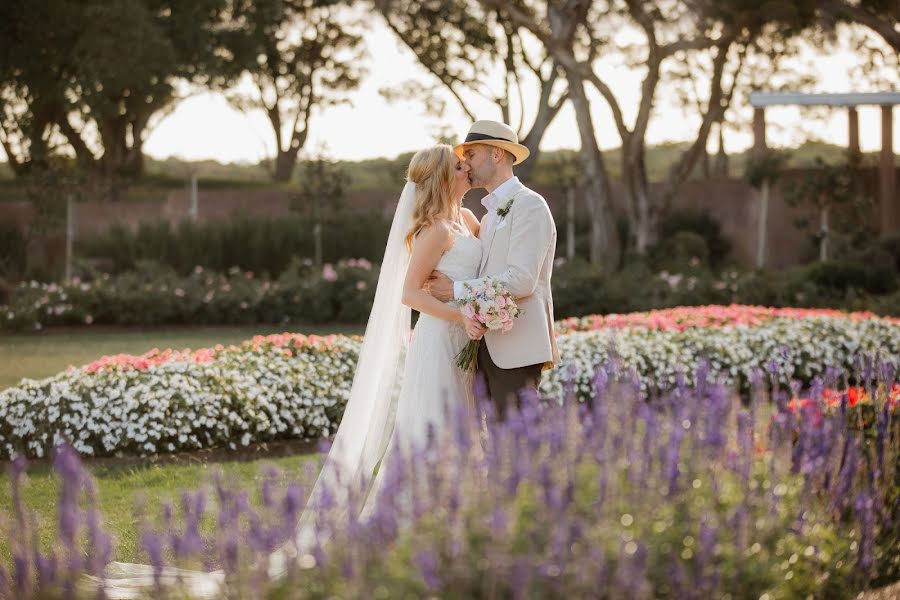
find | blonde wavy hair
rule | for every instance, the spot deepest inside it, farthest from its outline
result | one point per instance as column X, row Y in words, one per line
column 432, row 170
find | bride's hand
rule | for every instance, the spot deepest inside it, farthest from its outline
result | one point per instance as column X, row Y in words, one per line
column 474, row 329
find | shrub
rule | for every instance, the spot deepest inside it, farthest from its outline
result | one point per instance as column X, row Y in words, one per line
column 701, row 224
column 260, row 245
column 154, row 294
column 13, row 252
column 891, row 244
column 681, row 248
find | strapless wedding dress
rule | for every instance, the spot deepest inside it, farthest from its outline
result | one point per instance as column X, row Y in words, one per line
column 432, row 383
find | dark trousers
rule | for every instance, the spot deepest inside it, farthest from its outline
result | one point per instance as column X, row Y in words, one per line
column 504, row 385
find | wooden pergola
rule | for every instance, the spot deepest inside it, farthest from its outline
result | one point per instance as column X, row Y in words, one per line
column 888, row 199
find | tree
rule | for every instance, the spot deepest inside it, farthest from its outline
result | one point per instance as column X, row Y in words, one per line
column 835, row 193
column 95, row 74
column 720, row 32
column 35, row 66
column 301, row 55
column 476, row 44
column 322, row 190
column 880, row 16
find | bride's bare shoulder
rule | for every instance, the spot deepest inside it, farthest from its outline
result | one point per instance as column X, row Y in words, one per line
column 437, row 234
column 472, row 221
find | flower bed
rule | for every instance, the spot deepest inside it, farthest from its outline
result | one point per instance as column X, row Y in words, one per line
column 289, row 386
column 281, row 386
column 153, row 295
column 685, row 317
column 627, row 499
column 738, row 341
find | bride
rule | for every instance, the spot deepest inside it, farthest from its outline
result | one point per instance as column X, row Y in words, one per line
column 400, row 390
column 402, row 382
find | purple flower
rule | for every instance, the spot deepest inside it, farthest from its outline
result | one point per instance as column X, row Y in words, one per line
column 21, row 575
column 5, row 590
column 499, row 521
column 521, row 577
column 426, row 562
column 152, row 545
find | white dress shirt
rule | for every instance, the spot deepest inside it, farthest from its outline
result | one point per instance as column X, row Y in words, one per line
column 491, row 202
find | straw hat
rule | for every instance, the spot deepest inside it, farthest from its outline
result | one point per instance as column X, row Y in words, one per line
column 494, row 133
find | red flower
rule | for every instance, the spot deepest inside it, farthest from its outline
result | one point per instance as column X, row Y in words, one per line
column 855, row 395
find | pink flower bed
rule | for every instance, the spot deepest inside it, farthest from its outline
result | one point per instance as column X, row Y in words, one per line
column 289, row 343
column 684, row 317
column 677, row 319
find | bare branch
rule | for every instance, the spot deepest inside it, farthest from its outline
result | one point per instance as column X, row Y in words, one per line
column 714, row 111
column 447, row 80
column 703, row 43
column 858, row 14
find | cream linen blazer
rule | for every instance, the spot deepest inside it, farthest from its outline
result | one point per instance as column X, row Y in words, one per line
column 519, row 252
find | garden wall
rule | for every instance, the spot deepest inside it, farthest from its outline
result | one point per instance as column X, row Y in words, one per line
column 731, row 202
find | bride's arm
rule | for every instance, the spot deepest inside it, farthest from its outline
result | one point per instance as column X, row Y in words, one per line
column 430, row 245
column 472, row 221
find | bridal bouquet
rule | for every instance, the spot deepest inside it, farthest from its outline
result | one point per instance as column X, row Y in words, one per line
column 493, row 306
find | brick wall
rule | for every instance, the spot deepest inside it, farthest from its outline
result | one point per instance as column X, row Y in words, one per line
column 731, row 202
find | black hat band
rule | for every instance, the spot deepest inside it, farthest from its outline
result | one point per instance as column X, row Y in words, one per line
column 480, row 137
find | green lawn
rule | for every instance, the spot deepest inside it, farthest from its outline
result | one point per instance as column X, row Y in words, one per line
column 42, row 355
column 123, row 485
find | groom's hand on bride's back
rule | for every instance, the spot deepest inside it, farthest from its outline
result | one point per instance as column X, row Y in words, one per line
column 439, row 286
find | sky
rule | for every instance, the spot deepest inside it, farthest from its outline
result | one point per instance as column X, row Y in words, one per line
column 205, row 126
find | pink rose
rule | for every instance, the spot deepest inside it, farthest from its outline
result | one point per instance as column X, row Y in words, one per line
column 503, row 316
column 501, row 301
column 328, row 273
column 469, row 311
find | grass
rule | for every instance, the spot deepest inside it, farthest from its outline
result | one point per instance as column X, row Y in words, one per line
column 125, row 485
column 41, row 355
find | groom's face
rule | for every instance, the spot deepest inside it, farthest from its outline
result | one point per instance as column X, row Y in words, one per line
column 481, row 165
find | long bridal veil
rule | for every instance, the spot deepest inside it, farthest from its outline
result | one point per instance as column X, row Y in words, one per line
column 360, row 441
column 366, row 427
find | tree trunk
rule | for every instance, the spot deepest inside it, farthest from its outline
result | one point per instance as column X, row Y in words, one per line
column 83, row 154
column 121, row 157
column 18, row 168
column 532, row 140
column 762, row 225
column 643, row 213
column 720, row 167
column 285, row 163
column 43, row 116
column 603, row 244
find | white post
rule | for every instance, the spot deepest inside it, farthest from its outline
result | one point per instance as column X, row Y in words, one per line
column 317, row 240
column 70, row 235
column 570, row 224
column 823, row 234
column 194, row 202
column 761, row 225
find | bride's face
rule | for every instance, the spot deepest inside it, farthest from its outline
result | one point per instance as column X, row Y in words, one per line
column 461, row 183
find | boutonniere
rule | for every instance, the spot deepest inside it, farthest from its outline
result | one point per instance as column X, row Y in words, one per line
column 504, row 210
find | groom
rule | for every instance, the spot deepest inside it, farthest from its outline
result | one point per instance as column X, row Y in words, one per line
column 518, row 238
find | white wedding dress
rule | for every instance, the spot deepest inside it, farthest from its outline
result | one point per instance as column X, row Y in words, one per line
column 431, row 378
